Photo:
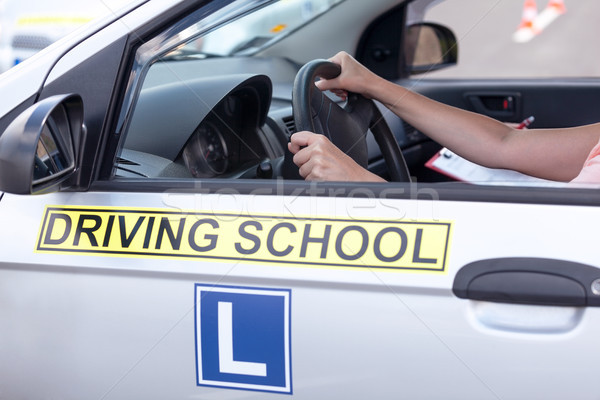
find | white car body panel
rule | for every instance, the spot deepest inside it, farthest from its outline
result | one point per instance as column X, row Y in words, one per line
column 413, row 310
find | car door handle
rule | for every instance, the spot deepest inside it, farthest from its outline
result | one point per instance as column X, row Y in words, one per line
column 536, row 281
column 501, row 105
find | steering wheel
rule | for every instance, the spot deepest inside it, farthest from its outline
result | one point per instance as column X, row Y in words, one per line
column 345, row 127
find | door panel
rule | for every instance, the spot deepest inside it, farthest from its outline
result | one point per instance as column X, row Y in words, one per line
column 117, row 320
column 553, row 102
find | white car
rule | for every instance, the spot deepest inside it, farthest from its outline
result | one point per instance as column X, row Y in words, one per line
column 157, row 243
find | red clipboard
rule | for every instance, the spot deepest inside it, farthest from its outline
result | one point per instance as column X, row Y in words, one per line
column 434, row 164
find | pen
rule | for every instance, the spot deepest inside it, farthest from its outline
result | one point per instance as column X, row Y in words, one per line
column 526, row 122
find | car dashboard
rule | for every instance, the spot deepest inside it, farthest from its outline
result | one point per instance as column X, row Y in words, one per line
column 218, row 118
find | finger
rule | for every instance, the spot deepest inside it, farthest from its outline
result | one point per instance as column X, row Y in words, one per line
column 302, row 156
column 307, row 171
column 299, row 140
column 328, row 84
column 304, row 171
column 293, row 149
column 305, row 138
column 315, row 171
column 333, row 85
column 314, row 150
column 318, row 147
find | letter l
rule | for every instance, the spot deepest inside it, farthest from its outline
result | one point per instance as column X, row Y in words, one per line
column 227, row 364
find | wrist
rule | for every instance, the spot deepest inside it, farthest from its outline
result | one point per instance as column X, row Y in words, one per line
column 375, row 87
column 364, row 175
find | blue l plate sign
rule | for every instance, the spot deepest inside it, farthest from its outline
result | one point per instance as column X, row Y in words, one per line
column 243, row 338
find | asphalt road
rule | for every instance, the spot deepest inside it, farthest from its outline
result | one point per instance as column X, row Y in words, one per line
column 566, row 48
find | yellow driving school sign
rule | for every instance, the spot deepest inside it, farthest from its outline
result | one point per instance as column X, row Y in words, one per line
column 321, row 242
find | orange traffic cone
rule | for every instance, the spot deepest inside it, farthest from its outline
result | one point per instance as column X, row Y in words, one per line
column 558, row 6
column 529, row 14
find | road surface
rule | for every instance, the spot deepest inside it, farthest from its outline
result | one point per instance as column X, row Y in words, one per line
column 568, row 47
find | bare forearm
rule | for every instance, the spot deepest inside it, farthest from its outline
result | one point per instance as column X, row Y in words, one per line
column 556, row 154
column 471, row 135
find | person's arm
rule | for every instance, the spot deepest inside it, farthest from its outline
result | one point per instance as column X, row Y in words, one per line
column 556, row 154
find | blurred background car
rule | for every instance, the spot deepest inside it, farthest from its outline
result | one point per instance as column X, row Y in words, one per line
column 28, row 26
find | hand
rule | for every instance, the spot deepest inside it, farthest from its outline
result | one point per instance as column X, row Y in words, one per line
column 320, row 160
column 354, row 77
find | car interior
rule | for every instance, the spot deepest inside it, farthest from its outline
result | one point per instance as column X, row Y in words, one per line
column 205, row 115
column 206, row 106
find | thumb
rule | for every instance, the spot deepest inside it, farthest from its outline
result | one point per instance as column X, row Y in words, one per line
column 332, row 85
column 327, row 84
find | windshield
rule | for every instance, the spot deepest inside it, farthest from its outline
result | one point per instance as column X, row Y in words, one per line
column 259, row 29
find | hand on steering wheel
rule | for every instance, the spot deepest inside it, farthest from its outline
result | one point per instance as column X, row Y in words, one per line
column 320, row 160
column 346, row 128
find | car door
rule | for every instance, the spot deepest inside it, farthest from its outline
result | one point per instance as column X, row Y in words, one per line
column 158, row 287
column 383, row 323
column 551, row 75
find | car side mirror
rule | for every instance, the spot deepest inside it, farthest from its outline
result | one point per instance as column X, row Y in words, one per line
column 37, row 150
column 429, row 47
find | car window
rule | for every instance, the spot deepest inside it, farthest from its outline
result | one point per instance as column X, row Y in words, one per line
column 222, row 93
column 200, row 104
column 563, row 43
column 261, row 28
